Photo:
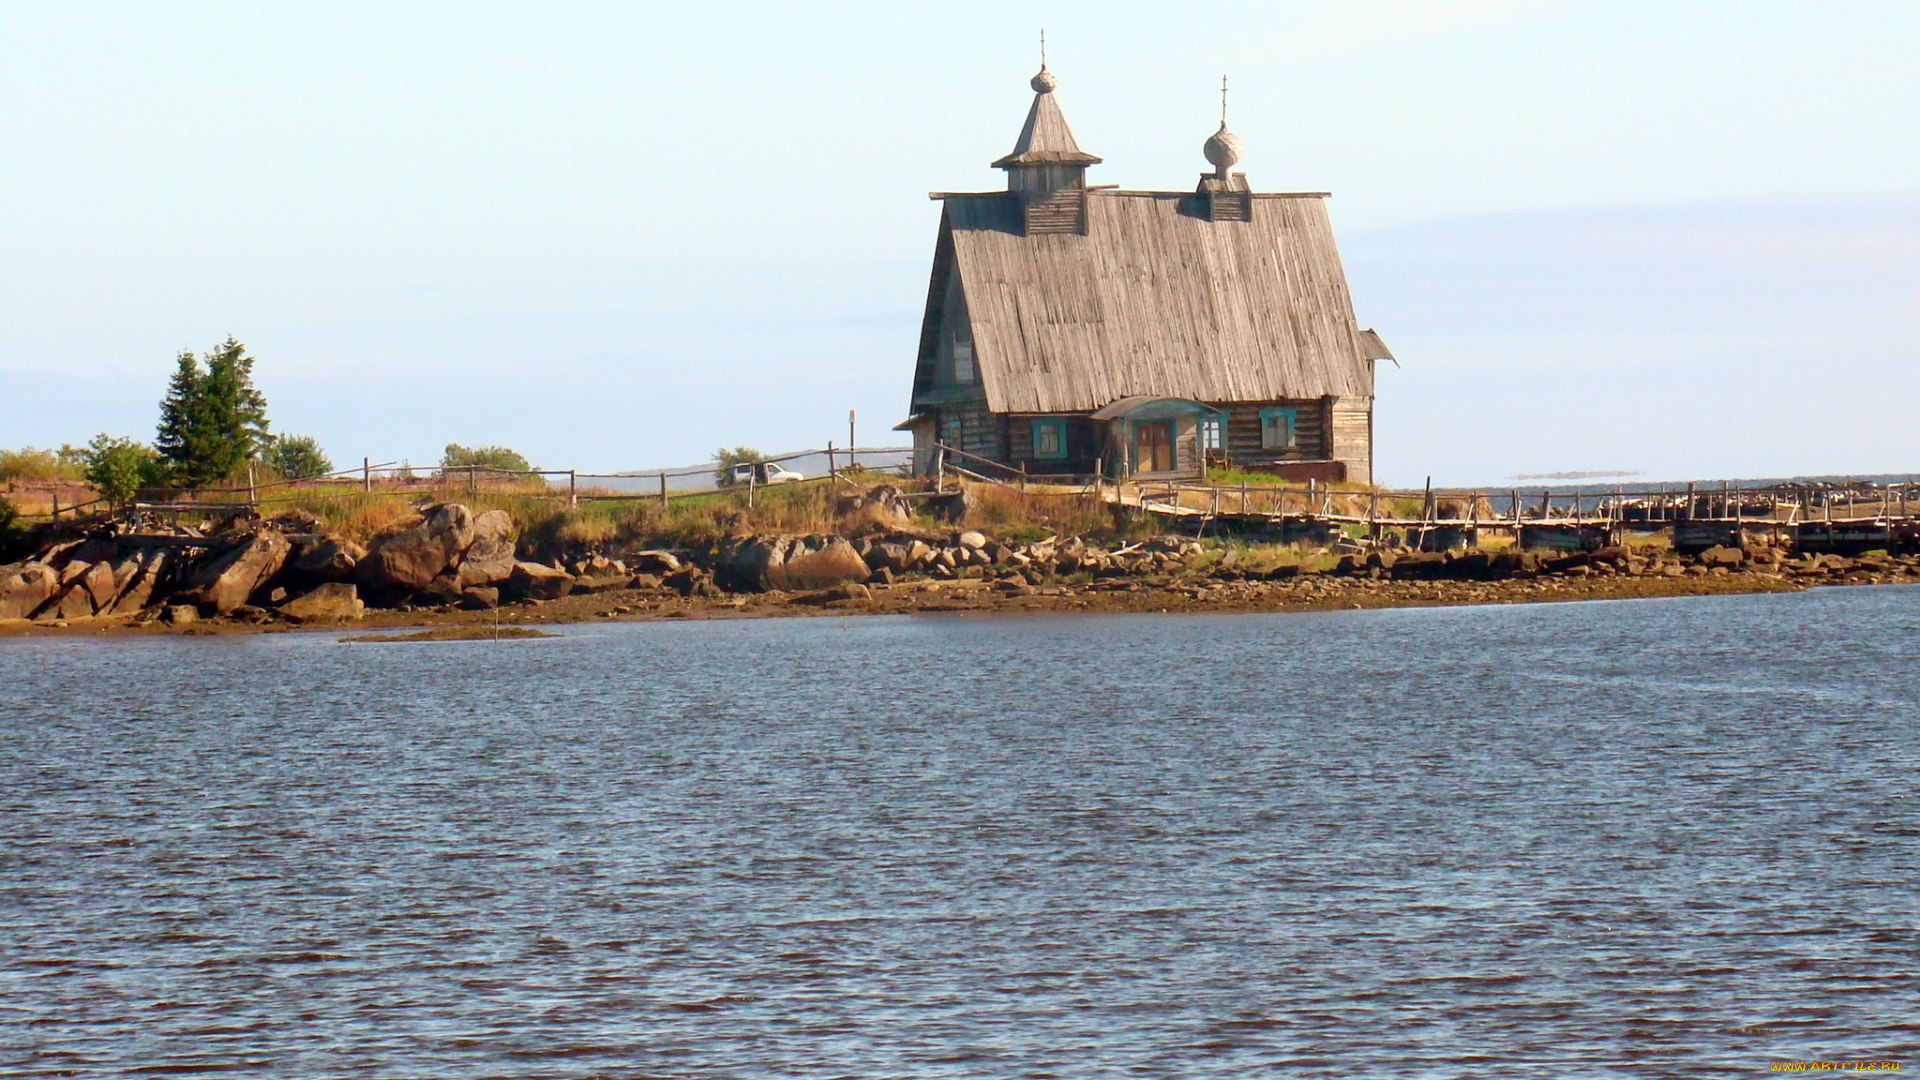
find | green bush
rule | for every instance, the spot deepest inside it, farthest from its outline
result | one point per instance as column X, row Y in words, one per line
column 27, row 463
column 13, row 538
column 725, row 459
column 297, row 457
column 116, row 468
column 492, row 457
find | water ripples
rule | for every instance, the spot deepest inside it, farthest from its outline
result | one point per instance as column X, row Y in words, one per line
column 1657, row 838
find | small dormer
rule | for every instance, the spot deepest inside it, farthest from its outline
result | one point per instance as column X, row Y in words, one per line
column 1047, row 170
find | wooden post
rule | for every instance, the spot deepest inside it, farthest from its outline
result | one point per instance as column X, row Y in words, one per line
column 830, row 470
column 1546, row 504
column 366, row 474
column 940, row 467
column 56, row 506
column 473, row 478
column 252, row 498
column 850, row 442
column 573, row 490
column 753, row 472
column 663, row 489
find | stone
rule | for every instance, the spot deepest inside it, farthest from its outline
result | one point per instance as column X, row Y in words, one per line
column 953, row 507
column 182, row 614
column 795, row 563
column 295, row 520
column 881, row 576
column 414, row 556
column 25, row 587
column 73, row 603
column 99, row 585
column 325, row 558
column 1722, row 556
column 532, row 581
column 74, row 571
column 972, row 540
column 135, row 596
column 328, row 601
column 840, row 594
column 228, row 580
column 444, row 589
column 659, row 563
column 883, row 505
column 919, row 554
column 646, row 581
column 610, row 583
column 480, row 598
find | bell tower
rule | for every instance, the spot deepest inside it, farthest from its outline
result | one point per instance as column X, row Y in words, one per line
column 1047, row 170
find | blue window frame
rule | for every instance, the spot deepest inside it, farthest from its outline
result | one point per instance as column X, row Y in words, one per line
column 1277, row 429
column 1049, row 438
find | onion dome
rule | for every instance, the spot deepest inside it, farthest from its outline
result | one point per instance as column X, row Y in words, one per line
column 1223, row 149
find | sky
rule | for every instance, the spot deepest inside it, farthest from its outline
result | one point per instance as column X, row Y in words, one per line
column 1681, row 240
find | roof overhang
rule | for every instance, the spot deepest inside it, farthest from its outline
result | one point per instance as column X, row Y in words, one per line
column 1149, row 406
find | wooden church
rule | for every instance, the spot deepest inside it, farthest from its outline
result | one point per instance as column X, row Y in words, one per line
column 1087, row 329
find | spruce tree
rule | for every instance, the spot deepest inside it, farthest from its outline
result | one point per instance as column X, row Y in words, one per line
column 212, row 421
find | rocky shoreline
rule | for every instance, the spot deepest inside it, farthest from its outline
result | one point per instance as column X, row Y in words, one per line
column 449, row 566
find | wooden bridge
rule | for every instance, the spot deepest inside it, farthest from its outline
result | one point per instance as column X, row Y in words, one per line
column 1818, row 516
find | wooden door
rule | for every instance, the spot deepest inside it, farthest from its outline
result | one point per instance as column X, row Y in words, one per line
column 1153, row 446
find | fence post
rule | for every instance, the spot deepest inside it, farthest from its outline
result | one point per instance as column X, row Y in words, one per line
column 573, row 488
column 751, row 474
column 472, row 480
column 252, row 498
column 663, row 489
column 366, row 474
column 56, row 506
column 831, row 473
column 850, row 442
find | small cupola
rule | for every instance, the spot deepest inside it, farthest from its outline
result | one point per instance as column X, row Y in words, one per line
column 1047, row 170
column 1226, row 195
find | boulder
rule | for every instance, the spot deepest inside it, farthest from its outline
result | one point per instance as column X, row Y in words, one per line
column 101, row 584
column 226, row 581
column 480, row 598
column 971, row 540
column 325, row 558
column 489, row 559
column 182, row 614
column 1721, row 555
column 610, row 583
column 332, row 600
column 24, row 587
column 414, row 556
column 796, row 563
column 882, row 505
column 140, row 589
column 952, row 507
column 74, row 603
column 444, row 589
column 658, row 563
column 850, row 595
column 532, row 581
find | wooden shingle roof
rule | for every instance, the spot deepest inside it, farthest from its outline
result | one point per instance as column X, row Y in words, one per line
column 1155, row 299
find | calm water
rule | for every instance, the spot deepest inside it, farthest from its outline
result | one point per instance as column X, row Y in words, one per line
column 1667, row 838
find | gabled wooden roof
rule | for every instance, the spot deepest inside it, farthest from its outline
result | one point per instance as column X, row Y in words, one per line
column 1155, row 299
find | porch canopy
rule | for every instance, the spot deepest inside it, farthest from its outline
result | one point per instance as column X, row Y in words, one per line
column 1155, row 435
column 1152, row 407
